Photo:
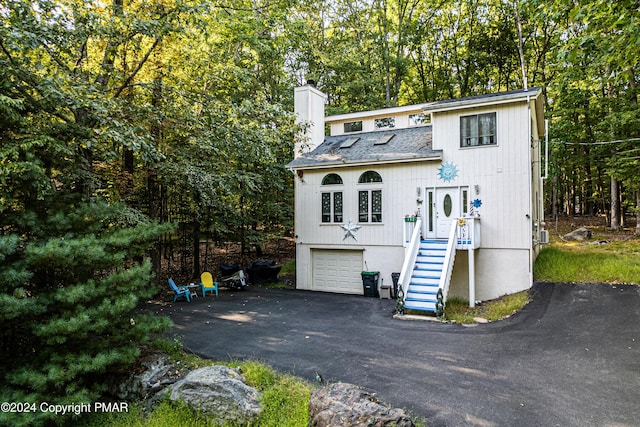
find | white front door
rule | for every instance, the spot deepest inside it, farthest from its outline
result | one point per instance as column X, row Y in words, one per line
column 447, row 210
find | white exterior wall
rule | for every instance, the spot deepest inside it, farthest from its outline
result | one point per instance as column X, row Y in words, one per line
column 501, row 172
column 498, row 272
column 507, row 185
column 382, row 243
column 309, row 109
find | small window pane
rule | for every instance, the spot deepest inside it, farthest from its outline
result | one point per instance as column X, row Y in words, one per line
column 385, row 123
column 419, row 119
column 376, row 206
column 353, row 126
column 465, row 201
column 326, row 207
column 369, row 176
column 337, row 206
column 430, row 210
column 477, row 130
column 363, row 206
column 447, row 205
column 331, row 179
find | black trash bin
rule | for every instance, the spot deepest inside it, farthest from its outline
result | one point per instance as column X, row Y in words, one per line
column 370, row 283
column 395, row 277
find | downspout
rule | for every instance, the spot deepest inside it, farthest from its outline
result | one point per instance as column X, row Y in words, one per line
column 530, row 215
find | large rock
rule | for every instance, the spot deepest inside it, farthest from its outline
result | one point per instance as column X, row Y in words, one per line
column 220, row 392
column 157, row 373
column 578, row 234
column 347, row 405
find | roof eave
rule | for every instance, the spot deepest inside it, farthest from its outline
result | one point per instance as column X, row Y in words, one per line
column 367, row 162
column 522, row 96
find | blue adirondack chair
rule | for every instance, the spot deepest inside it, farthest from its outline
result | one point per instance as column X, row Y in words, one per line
column 207, row 284
column 181, row 291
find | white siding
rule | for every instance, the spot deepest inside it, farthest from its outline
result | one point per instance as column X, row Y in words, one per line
column 506, row 185
column 501, row 172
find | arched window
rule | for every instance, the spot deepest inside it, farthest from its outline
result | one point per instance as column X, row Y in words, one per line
column 370, row 200
column 369, row 176
column 331, row 179
column 331, row 200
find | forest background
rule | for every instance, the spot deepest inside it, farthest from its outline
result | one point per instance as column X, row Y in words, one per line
column 132, row 131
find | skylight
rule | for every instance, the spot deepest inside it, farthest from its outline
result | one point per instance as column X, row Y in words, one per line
column 349, row 142
column 384, row 139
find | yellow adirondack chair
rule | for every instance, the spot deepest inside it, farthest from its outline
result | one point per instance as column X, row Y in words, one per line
column 207, row 284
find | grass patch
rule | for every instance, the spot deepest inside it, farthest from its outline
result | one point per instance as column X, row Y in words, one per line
column 289, row 267
column 284, row 401
column 458, row 310
column 615, row 262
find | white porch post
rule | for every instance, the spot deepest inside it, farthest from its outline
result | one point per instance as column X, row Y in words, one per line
column 472, row 277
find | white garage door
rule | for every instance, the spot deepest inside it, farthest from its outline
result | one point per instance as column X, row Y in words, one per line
column 337, row 271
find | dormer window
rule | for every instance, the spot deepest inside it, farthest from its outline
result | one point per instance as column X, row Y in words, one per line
column 385, row 123
column 353, row 126
column 419, row 119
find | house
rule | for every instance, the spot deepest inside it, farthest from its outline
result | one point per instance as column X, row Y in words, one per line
column 448, row 194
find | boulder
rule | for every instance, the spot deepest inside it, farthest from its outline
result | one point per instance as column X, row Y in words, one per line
column 220, row 392
column 344, row 404
column 578, row 234
column 157, row 373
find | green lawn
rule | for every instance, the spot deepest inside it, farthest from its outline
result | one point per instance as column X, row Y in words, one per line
column 614, row 262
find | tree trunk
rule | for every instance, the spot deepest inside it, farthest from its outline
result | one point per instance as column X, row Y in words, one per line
column 615, row 205
column 554, row 198
column 638, row 212
column 196, row 249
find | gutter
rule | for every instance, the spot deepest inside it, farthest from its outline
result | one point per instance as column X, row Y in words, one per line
column 366, row 163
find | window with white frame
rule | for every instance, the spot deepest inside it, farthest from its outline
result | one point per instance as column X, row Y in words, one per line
column 332, row 199
column 419, row 119
column 353, row 126
column 370, row 199
column 385, row 123
column 478, row 130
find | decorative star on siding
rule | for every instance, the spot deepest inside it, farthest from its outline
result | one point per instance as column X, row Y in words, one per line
column 350, row 230
column 447, row 171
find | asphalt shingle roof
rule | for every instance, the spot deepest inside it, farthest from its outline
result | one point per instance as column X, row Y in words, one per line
column 407, row 144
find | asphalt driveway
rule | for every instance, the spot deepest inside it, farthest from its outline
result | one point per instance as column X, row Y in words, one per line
column 570, row 358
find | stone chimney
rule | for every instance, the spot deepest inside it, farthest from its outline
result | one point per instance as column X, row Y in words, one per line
column 309, row 109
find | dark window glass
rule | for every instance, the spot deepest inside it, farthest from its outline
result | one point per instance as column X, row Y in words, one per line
column 353, row 126
column 369, row 176
column 337, row 206
column 430, row 210
column 376, row 206
column 447, row 205
column 326, row 207
column 363, row 206
column 331, row 179
column 479, row 129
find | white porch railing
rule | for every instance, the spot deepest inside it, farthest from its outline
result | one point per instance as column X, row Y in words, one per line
column 411, row 252
column 468, row 233
column 449, row 258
